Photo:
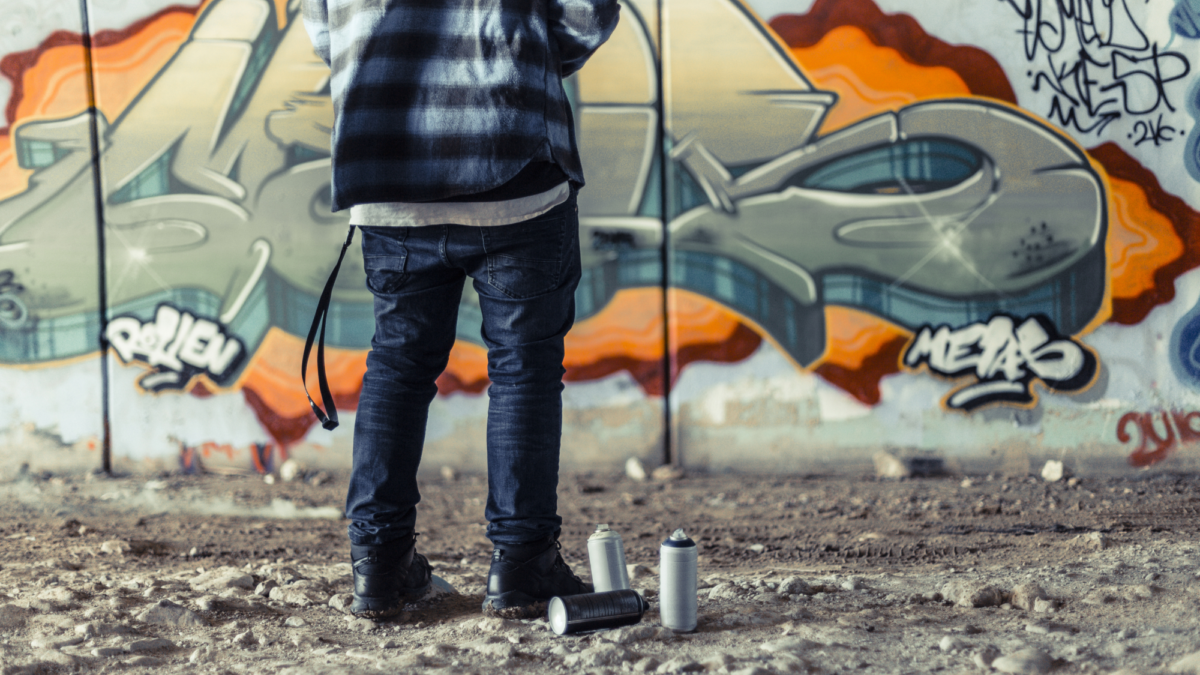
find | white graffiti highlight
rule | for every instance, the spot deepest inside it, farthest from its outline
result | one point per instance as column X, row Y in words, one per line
column 177, row 345
column 1005, row 357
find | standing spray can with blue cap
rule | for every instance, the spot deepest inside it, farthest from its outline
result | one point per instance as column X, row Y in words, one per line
column 677, row 582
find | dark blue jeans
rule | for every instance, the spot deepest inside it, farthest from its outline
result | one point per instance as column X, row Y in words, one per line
column 526, row 276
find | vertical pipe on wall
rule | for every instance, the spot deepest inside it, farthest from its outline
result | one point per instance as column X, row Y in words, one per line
column 98, row 198
column 669, row 455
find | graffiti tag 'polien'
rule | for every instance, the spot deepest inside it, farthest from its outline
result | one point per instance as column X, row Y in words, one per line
column 677, row 579
column 593, row 611
column 606, row 553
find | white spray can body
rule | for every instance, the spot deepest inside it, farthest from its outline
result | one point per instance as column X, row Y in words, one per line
column 606, row 556
column 677, row 594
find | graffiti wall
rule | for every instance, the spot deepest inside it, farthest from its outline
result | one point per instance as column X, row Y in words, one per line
column 811, row 230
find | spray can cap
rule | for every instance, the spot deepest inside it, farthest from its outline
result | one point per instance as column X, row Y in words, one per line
column 602, row 527
column 679, row 539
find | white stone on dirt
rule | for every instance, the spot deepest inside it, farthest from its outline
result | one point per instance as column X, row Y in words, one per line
column 1091, row 540
column 167, row 613
column 794, row 586
column 107, row 651
column 115, row 547
column 1025, row 595
column 491, row 646
column 294, row 622
column 951, row 643
column 291, row 470
column 635, row 469
column 1137, row 592
column 966, row 593
column 724, row 592
column 341, row 602
column 1024, row 662
column 149, row 645
column 752, row 670
column 222, row 578
column 1187, row 664
column 1053, row 471
column 1043, row 606
column 264, row 589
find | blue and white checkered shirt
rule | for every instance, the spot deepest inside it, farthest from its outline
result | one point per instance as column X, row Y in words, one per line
column 435, row 99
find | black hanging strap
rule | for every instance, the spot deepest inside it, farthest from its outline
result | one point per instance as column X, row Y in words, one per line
column 329, row 421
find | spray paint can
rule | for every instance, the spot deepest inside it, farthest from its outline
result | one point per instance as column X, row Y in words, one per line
column 593, row 611
column 606, row 554
column 677, row 578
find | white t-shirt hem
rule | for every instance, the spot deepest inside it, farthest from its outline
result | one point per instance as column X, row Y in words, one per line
column 477, row 214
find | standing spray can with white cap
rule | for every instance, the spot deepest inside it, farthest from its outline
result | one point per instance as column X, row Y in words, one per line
column 677, row 578
column 606, row 554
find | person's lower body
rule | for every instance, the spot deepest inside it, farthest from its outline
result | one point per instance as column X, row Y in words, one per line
column 525, row 275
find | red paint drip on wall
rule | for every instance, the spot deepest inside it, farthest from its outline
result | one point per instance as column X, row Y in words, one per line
column 863, row 382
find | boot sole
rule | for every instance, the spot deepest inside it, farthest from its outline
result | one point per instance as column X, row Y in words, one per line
column 514, row 605
column 382, row 608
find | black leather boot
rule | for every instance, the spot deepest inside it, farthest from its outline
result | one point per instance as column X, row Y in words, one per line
column 386, row 577
column 524, row 577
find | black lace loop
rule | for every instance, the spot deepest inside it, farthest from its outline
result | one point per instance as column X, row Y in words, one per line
column 321, row 319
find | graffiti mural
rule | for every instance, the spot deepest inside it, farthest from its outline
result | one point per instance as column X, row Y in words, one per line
column 854, row 189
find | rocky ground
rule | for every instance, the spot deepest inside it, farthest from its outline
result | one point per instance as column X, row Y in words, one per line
column 804, row 574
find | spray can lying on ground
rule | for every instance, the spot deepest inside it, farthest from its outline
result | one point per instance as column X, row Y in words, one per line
column 593, row 611
column 606, row 554
column 677, row 578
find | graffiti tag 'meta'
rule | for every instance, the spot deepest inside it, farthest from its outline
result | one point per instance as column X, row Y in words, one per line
column 1005, row 357
column 177, row 345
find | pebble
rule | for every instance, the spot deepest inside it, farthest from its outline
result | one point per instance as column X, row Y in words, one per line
column 167, row 613
column 1024, row 662
column 724, row 592
column 107, row 651
column 645, row 664
column 966, row 593
column 150, row 645
column 951, row 643
column 341, row 602
column 984, row 657
column 1025, row 595
column 1187, row 664
column 1043, row 606
column 294, row 622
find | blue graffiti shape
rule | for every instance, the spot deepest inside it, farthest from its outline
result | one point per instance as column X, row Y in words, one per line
column 1005, row 358
column 1185, row 19
column 1191, row 151
column 1185, row 348
column 177, row 346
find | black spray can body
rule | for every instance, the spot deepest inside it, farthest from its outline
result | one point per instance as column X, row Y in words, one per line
column 593, row 611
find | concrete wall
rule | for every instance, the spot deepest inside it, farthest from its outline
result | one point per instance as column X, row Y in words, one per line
column 962, row 226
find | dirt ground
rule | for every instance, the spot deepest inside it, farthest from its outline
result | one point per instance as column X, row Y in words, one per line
column 219, row 574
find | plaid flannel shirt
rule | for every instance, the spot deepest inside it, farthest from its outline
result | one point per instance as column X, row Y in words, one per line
column 435, row 99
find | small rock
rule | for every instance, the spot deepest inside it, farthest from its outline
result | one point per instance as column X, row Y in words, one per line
column 493, row 647
column 1187, row 664
column 1053, row 471
column 751, row 670
column 723, row 592
column 790, row 645
column 972, row 594
column 115, row 547
column 951, row 643
column 449, row 473
column 167, row 613
column 200, row 655
column 291, row 470
column 341, row 602
column 794, row 586
column 635, row 470
column 983, row 658
column 389, row 643
column 1025, row 595
column 1024, row 662
column 221, row 579
column 1138, row 592
column 294, row 622
column 363, row 625
column 1043, row 606
column 143, row 661
column 150, row 645
column 264, row 589
column 1091, row 540
column 667, row 473
column 208, row 603
column 107, row 651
